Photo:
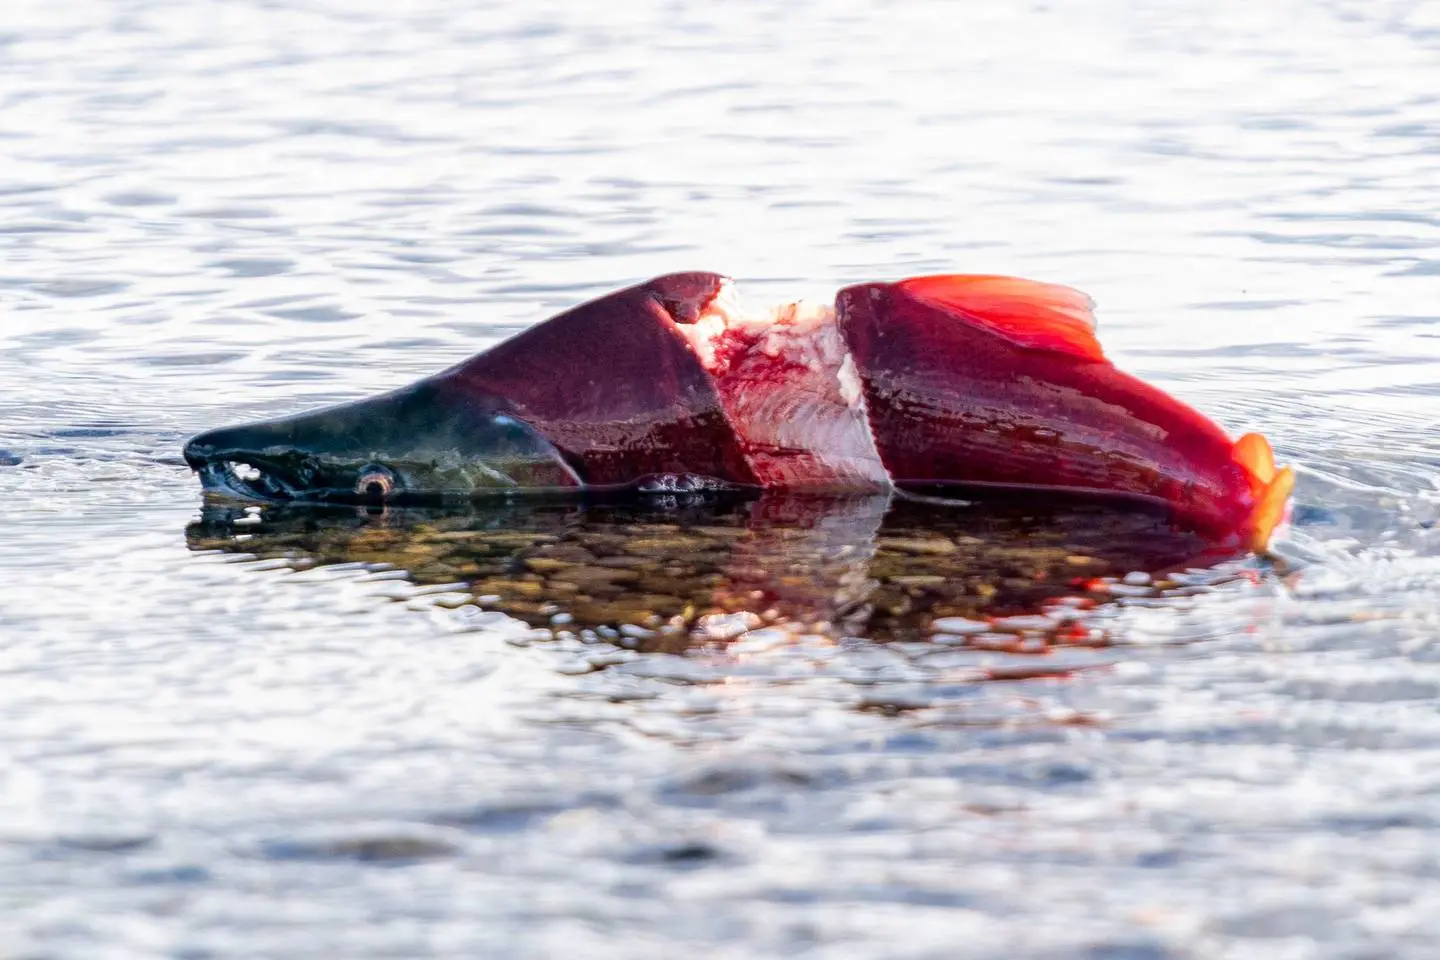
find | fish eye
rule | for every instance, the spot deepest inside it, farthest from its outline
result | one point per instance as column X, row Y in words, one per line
column 375, row 484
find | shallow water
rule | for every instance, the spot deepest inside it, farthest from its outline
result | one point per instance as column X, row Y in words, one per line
column 219, row 212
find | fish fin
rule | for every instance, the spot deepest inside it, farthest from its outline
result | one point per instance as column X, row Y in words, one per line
column 1271, row 487
column 1253, row 452
column 1270, row 510
column 1040, row 316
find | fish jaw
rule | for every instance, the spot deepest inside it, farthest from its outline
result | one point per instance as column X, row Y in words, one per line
column 422, row 443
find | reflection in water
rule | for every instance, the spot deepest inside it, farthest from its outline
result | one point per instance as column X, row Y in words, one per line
column 200, row 759
column 668, row 573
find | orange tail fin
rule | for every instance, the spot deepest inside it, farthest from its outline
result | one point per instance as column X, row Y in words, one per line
column 1270, row 487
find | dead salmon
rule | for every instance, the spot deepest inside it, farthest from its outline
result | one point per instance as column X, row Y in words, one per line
column 952, row 384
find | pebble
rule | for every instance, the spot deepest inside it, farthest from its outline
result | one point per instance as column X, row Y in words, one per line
column 725, row 626
column 959, row 625
column 935, row 547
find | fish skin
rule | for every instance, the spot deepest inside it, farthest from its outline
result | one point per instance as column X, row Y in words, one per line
column 615, row 387
column 954, row 402
column 426, row 438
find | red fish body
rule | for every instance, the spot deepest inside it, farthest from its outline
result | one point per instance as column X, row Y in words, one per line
column 616, row 388
column 992, row 381
column 932, row 382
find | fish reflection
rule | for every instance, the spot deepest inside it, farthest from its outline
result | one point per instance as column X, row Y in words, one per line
column 669, row 573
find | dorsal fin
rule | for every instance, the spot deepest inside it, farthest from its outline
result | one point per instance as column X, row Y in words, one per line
column 1041, row 316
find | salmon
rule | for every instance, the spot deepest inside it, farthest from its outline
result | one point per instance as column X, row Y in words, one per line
column 956, row 385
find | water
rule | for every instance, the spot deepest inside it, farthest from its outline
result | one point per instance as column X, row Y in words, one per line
column 215, row 212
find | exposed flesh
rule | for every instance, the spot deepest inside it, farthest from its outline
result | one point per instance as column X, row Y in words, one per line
column 790, row 391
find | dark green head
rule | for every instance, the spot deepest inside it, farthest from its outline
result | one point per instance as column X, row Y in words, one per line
column 424, row 443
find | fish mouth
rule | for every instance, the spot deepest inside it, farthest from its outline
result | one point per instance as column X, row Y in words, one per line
column 247, row 477
column 248, row 464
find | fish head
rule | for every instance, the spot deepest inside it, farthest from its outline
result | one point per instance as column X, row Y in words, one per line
column 429, row 442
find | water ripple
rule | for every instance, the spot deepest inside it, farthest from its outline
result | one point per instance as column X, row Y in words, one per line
column 265, row 741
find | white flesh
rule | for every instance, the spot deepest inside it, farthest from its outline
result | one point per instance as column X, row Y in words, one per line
column 790, row 390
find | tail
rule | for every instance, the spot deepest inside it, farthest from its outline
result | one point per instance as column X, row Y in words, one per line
column 1271, row 489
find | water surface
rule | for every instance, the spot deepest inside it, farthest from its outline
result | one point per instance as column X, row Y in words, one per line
column 311, row 746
